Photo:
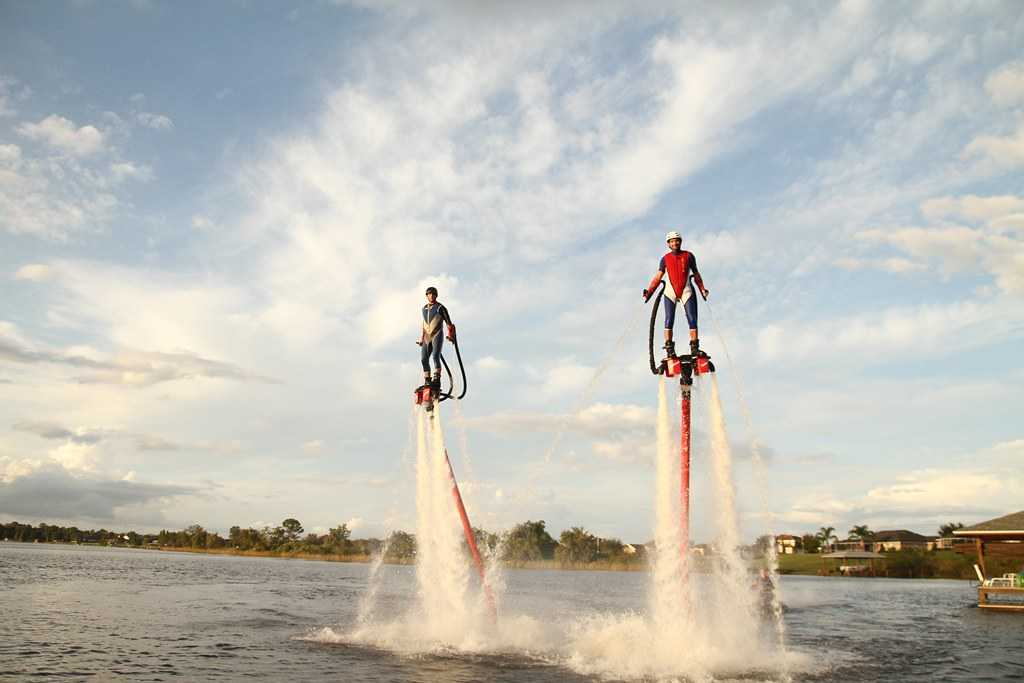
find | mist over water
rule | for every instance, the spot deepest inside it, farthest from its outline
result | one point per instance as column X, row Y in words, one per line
column 698, row 626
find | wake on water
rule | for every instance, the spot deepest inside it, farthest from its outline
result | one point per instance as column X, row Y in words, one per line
column 699, row 626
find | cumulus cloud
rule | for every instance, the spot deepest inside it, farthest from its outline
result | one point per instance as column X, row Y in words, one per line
column 10, row 155
column 50, row 491
column 154, row 121
column 62, row 134
column 1003, row 151
column 124, row 170
column 989, row 484
column 52, row 430
column 34, row 272
column 127, row 367
column 973, row 207
column 1006, row 85
column 202, row 222
column 923, row 329
column 599, row 419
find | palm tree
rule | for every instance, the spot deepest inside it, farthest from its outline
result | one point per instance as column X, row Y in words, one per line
column 861, row 531
column 826, row 536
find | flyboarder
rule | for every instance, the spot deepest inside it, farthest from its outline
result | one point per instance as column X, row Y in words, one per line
column 681, row 266
column 431, row 339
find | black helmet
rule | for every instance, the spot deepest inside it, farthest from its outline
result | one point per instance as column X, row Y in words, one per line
column 431, row 290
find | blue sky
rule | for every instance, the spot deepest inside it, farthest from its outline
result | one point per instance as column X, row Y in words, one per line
column 218, row 220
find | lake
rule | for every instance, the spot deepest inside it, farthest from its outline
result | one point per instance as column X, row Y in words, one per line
column 99, row 614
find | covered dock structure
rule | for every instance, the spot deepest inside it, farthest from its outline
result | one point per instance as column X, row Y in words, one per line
column 1002, row 537
column 855, row 562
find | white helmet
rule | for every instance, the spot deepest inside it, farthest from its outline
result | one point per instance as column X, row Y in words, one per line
column 673, row 236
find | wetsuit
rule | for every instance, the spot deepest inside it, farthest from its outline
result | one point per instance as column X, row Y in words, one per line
column 680, row 266
column 433, row 315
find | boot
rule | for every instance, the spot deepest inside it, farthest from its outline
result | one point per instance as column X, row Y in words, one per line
column 435, row 384
column 695, row 351
column 670, row 349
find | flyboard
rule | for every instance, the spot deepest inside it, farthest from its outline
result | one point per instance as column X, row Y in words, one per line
column 430, row 395
column 685, row 367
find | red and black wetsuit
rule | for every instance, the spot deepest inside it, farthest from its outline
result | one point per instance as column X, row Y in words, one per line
column 680, row 266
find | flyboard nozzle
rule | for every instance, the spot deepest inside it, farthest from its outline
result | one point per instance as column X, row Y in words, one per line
column 703, row 365
column 424, row 394
column 686, row 367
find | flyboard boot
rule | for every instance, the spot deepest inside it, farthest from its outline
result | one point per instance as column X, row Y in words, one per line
column 424, row 393
column 695, row 351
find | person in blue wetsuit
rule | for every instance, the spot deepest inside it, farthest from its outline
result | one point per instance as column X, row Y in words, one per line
column 431, row 339
column 681, row 267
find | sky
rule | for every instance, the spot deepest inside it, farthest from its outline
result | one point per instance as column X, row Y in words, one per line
column 217, row 221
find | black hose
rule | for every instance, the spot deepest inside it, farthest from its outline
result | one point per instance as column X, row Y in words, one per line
column 655, row 368
column 451, row 384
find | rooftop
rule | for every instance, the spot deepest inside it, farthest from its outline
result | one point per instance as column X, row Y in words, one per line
column 1012, row 523
column 897, row 535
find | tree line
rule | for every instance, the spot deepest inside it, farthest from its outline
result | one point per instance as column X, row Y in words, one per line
column 529, row 541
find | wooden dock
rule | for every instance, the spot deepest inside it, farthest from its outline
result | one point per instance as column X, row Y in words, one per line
column 1001, row 537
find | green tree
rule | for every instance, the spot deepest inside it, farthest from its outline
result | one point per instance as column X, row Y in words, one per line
column 339, row 539
column 486, row 542
column 401, row 546
column 826, row 535
column 811, row 543
column 292, row 529
column 609, row 547
column 576, row 545
column 861, row 531
column 946, row 530
column 529, row 541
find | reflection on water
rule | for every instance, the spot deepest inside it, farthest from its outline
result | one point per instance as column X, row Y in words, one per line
column 104, row 614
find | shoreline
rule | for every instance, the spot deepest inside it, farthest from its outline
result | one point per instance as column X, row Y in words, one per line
column 789, row 565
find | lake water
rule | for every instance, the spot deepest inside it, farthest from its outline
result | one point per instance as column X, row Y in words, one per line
column 97, row 614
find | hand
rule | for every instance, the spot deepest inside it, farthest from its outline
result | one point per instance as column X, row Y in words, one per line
column 451, row 333
column 704, row 293
column 647, row 296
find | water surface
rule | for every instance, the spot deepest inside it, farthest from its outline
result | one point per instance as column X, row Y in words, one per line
column 83, row 613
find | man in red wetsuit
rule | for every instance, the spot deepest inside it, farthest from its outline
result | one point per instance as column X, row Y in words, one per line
column 681, row 266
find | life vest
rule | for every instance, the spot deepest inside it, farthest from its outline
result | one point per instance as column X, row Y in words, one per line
column 677, row 267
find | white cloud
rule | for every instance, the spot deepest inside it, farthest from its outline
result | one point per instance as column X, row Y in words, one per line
column 314, row 447
column 915, row 47
column 154, row 121
column 61, row 133
column 76, row 457
column 1003, row 151
column 34, row 272
column 863, row 73
column 918, row 330
column 202, row 222
column 10, row 155
column 598, row 420
column 11, row 469
column 889, row 265
column 973, row 207
column 1006, row 85
column 124, row 170
column 491, row 363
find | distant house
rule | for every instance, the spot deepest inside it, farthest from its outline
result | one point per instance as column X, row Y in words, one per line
column 898, row 539
column 638, row 549
column 852, row 545
column 947, row 542
column 788, row 544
